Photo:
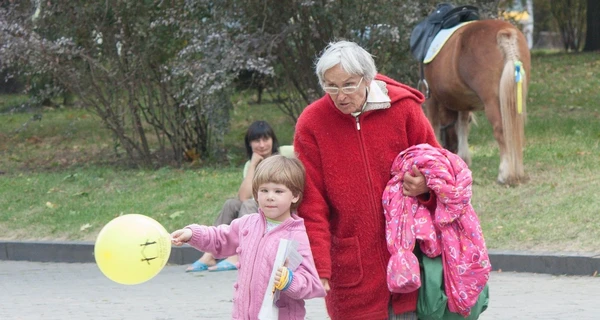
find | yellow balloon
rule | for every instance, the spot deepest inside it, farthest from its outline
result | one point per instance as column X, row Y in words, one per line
column 132, row 249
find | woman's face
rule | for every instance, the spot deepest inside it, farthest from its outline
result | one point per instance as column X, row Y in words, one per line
column 346, row 103
column 262, row 146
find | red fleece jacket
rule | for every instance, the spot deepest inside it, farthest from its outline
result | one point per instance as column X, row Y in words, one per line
column 347, row 170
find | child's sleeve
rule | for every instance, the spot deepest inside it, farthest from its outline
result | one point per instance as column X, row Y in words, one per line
column 306, row 283
column 222, row 241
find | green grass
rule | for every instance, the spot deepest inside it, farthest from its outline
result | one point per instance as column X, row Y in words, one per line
column 74, row 205
column 12, row 102
column 60, row 139
column 58, row 178
column 558, row 208
column 58, row 181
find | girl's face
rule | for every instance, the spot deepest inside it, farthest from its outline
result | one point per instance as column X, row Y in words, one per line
column 262, row 146
column 275, row 200
column 346, row 102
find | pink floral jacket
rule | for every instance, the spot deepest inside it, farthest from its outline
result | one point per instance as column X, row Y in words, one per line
column 453, row 230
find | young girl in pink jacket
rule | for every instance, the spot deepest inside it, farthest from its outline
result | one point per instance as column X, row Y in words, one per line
column 277, row 185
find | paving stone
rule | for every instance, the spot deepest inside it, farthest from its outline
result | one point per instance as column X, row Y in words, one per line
column 53, row 291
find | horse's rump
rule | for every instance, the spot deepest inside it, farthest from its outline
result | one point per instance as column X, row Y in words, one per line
column 476, row 70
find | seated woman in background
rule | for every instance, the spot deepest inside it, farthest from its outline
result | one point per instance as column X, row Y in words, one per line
column 261, row 142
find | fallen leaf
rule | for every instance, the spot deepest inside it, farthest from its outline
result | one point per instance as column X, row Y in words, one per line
column 51, row 205
column 191, row 155
column 84, row 227
column 176, row 214
column 70, row 177
column 34, row 139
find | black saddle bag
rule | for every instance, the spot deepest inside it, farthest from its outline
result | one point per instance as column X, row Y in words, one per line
column 443, row 17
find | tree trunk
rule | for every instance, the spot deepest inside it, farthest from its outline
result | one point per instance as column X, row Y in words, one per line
column 592, row 38
column 570, row 17
column 528, row 26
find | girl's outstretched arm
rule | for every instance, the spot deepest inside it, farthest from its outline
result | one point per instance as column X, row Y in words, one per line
column 222, row 241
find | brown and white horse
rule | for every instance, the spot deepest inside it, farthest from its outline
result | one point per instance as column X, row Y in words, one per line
column 478, row 69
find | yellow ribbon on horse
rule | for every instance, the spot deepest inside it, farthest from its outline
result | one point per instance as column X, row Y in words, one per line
column 519, row 73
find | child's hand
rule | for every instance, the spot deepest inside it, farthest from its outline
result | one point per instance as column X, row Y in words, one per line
column 181, row 236
column 283, row 278
column 278, row 275
column 325, row 283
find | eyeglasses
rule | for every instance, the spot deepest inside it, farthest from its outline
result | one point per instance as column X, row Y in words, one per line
column 346, row 90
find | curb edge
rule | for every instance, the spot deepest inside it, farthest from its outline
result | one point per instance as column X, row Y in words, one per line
column 556, row 263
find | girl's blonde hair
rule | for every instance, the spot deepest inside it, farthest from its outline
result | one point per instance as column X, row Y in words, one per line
column 281, row 170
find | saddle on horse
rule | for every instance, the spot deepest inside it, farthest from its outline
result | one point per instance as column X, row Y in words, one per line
column 445, row 16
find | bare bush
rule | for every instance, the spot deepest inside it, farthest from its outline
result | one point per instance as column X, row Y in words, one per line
column 290, row 36
column 157, row 73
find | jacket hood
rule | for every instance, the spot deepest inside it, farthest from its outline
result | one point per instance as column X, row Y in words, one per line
column 398, row 91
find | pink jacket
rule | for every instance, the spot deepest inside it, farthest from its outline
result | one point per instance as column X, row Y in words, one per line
column 256, row 250
column 453, row 230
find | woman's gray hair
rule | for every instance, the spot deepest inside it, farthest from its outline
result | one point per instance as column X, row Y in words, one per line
column 352, row 58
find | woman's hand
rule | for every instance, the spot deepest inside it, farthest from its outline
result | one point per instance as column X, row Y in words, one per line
column 245, row 190
column 256, row 159
column 181, row 236
column 414, row 184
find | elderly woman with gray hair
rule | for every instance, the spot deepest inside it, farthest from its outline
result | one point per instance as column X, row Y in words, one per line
column 347, row 140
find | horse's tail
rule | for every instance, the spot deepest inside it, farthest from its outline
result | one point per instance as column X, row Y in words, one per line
column 513, row 94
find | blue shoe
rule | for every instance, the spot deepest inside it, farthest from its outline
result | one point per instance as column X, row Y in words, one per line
column 224, row 266
column 197, row 267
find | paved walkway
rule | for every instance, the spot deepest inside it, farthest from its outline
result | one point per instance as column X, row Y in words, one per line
column 49, row 291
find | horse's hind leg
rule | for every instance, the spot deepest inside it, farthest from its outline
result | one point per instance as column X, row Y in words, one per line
column 492, row 112
column 462, row 132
